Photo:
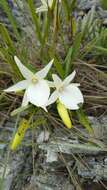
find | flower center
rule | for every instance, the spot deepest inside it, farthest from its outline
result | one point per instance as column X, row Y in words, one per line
column 61, row 89
column 34, row 80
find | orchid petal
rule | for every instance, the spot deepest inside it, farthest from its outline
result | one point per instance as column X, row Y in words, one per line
column 25, row 99
column 51, row 84
column 44, row 107
column 24, row 70
column 69, row 78
column 38, row 93
column 18, row 86
column 42, row 73
column 57, row 80
column 71, row 96
column 76, row 84
column 53, row 98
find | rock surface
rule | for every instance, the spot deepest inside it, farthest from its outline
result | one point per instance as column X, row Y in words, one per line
column 58, row 162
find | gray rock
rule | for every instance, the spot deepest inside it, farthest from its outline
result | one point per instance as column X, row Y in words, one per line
column 51, row 182
column 87, row 4
column 51, row 156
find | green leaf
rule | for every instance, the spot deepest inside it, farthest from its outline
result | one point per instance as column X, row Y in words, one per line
column 76, row 45
column 8, row 52
column 101, row 50
column 72, row 53
column 58, row 67
column 9, row 59
column 39, row 121
column 46, row 26
column 67, row 10
column 87, row 22
column 57, row 64
column 67, row 61
column 35, row 20
column 88, row 48
column 7, row 10
column 103, row 4
column 2, row 183
column 19, row 110
column 83, row 119
column 73, row 4
column 6, row 38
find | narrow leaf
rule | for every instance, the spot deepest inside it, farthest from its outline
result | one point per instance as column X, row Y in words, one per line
column 57, row 64
column 10, row 60
column 67, row 10
column 83, row 119
column 35, row 20
column 7, row 10
column 101, row 50
column 6, row 38
column 72, row 53
column 19, row 110
column 67, row 61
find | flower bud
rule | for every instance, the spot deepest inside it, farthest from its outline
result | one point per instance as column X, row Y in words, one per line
column 64, row 114
column 23, row 126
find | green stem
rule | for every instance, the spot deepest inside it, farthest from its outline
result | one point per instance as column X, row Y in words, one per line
column 35, row 20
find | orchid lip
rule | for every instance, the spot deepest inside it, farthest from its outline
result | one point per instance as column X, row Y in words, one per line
column 34, row 80
column 61, row 89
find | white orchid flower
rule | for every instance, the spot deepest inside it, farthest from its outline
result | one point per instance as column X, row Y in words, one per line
column 37, row 89
column 68, row 93
column 45, row 5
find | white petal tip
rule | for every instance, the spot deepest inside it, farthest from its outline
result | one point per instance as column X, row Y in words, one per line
column 5, row 90
column 51, row 62
column 73, row 73
column 45, row 109
column 8, row 90
column 15, row 58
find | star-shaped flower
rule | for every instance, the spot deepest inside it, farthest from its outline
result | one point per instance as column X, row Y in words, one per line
column 68, row 93
column 37, row 89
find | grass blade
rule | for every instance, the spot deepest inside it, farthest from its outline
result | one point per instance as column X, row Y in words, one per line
column 67, row 10
column 57, row 64
column 83, row 119
column 35, row 20
column 9, row 59
column 6, row 38
column 7, row 10
column 72, row 53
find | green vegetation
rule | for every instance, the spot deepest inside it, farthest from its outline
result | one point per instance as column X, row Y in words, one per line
column 73, row 43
